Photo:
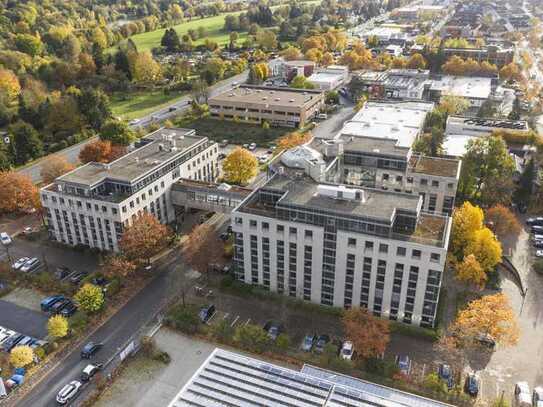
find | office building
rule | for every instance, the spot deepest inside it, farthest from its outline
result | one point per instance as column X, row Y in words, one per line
column 475, row 89
column 228, row 379
column 91, row 205
column 330, row 78
column 396, row 84
column 277, row 106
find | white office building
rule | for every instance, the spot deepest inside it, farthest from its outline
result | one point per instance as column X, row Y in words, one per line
column 330, row 78
column 475, row 89
column 91, row 205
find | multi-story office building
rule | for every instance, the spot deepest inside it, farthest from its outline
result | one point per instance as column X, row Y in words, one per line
column 278, row 106
column 92, row 204
column 355, row 220
column 399, row 84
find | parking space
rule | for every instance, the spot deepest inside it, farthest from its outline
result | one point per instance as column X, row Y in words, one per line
column 23, row 320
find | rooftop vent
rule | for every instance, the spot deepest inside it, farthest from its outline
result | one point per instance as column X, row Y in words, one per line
column 277, row 99
column 264, row 98
column 291, row 100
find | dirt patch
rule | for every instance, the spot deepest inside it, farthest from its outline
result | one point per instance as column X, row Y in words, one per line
column 24, row 297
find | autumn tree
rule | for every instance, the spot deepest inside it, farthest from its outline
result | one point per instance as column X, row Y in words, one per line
column 291, row 53
column 452, row 105
column 416, row 61
column 21, row 356
column 144, row 238
column 240, row 166
column 98, row 151
column 9, row 85
column 467, row 220
column 327, row 59
column 292, row 140
column 301, row 82
column 144, row 68
column 17, row 193
column 57, row 326
column 202, row 248
column 54, row 167
column 90, row 298
column 510, row 71
column 490, row 315
column 502, row 221
column 118, row 266
column 469, row 271
column 486, row 249
column 370, row 335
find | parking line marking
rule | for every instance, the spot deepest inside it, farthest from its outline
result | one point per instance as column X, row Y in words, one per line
column 212, row 316
column 234, row 321
column 247, row 322
column 226, row 315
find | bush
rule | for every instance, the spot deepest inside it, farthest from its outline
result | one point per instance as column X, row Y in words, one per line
column 113, row 287
column 79, row 321
column 163, row 357
column 40, row 353
column 283, row 342
column 184, row 319
column 222, row 331
column 414, row 331
column 381, row 367
column 45, row 281
column 252, row 338
column 148, row 346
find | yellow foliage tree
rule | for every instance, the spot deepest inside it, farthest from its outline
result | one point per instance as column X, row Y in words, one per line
column 467, row 220
column 90, row 298
column 291, row 54
column 451, row 104
column 469, row 271
column 486, row 249
column 21, row 356
column 327, row 59
column 54, row 167
column 240, row 166
column 144, row 68
column 489, row 315
column 9, row 85
column 57, row 326
column 292, row 140
column 314, row 54
column 416, row 61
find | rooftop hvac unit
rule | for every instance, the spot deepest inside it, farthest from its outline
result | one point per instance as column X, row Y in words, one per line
column 291, row 100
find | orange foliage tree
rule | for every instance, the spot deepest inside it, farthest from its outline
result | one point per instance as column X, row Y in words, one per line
column 54, row 167
column 370, row 335
column 202, row 248
column 502, row 221
column 17, row 193
column 292, row 140
column 144, row 238
column 101, row 152
column 118, row 266
column 470, row 271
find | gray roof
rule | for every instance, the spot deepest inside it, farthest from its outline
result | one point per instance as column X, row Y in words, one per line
column 228, row 379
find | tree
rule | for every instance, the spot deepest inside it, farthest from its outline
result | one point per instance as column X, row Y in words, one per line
column 301, row 82
column 240, row 166
column 292, row 140
column 490, row 315
column 436, row 384
column 90, row 298
column 28, row 44
column 9, row 85
column 21, row 356
column 523, row 193
column 502, row 221
column 213, row 70
column 94, row 105
column 453, row 105
column 291, row 53
column 266, row 39
column 54, row 167
column 282, row 342
column 416, row 61
column 510, row 71
column 199, row 91
column 467, row 220
column 144, row 68
column 327, row 59
column 17, row 193
column 313, row 54
column 144, row 238
column 202, row 248
column 26, row 142
column 486, row 249
column 57, row 326
column 117, row 132
column 98, row 151
column 170, row 40
column 469, row 271
column 252, row 338
column 370, row 335
column 118, row 266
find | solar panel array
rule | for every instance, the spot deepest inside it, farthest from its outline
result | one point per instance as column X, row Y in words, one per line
column 504, row 124
column 228, row 379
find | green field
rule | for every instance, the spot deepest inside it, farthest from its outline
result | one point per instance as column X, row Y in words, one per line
column 214, row 31
column 138, row 104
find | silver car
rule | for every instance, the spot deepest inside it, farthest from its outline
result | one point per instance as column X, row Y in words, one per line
column 31, row 265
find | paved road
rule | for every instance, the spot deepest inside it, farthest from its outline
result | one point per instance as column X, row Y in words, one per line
column 72, row 153
column 23, row 320
column 330, row 127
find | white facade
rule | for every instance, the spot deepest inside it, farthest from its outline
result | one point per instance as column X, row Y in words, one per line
column 77, row 214
column 330, row 78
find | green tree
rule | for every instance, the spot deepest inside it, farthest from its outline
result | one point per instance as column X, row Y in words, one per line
column 252, row 338
column 170, row 40
column 183, row 318
column 94, row 105
column 435, row 384
column 283, row 342
column 301, row 82
column 523, row 193
column 28, row 44
column 57, row 326
column 117, row 132
column 89, row 298
column 26, row 142
column 222, row 331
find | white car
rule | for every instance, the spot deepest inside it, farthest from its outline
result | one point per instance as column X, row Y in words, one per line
column 539, row 253
column 347, row 350
column 523, row 397
column 68, row 392
column 252, row 146
column 133, row 122
column 5, row 239
column 31, row 265
column 263, row 158
column 537, row 398
column 19, row 263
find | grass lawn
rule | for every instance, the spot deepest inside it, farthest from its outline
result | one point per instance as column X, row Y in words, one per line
column 235, row 133
column 134, row 105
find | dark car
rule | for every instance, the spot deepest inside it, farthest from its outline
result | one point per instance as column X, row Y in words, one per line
column 100, row 281
column 222, row 156
column 537, row 229
column 471, row 386
column 444, row 373
column 90, row 371
column 535, row 221
column 308, row 342
column 11, row 342
column 77, row 277
column 538, row 244
column 273, row 329
column 322, row 340
column 62, row 272
column 47, row 302
column 404, row 364
column 68, row 310
column 224, row 236
column 206, row 313
column 57, row 306
column 90, row 349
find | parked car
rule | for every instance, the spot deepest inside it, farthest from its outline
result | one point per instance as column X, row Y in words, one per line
column 263, row 158
column 38, row 343
column 62, row 272
column 5, row 334
column 347, row 350
column 322, row 116
column 486, row 339
column 404, row 364
column 273, row 329
column 25, row 341
column 90, row 371
column 5, row 239
column 538, row 244
column 206, row 313
column 252, row 147
column 537, row 229
column 535, row 221
column 77, row 277
column 68, row 392
column 48, row 302
column 90, row 349
column 523, row 396
column 223, row 143
column 308, row 342
column 57, row 306
column 222, row 156
column 19, row 263
column 31, row 265
column 322, row 340
column 444, row 373
column 537, row 397
column 11, row 342
column 471, row 385
column 68, row 309
column 539, row 253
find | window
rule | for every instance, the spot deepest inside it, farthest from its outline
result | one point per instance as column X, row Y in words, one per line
column 409, row 180
column 450, row 185
column 292, row 231
column 383, row 248
column 114, row 210
column 368, row 245
column 434, row 257
column 124, row 208
column 280, row 228
column 351, row 242
column 435, row 184
column 131, row 204
column 104, row 209
column 400, row 251
column 399, row 178
column 252, row 223
column 265, row 226
column 415, row 254
column 385, row 177
column 239, row 221
column 309, row 234
column 424, row 181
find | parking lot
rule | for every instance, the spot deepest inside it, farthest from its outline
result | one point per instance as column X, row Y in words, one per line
column 22, row 319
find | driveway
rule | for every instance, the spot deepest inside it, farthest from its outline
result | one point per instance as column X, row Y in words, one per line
column 329, row 127
column 23, row 320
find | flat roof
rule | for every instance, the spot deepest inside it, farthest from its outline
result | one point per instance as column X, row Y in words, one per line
column 465, row 86
column 229, row 379
column 266, row 95
column 455, row 145
column 325, row 77
column 131, row 166
column 442, row 167
column 490, row 123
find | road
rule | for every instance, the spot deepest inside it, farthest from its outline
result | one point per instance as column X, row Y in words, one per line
column 71, row 154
